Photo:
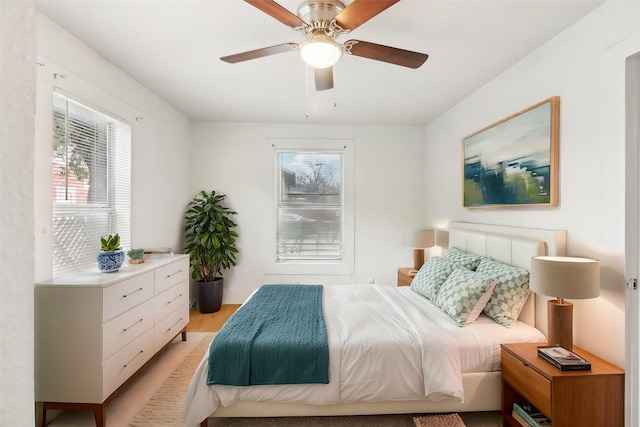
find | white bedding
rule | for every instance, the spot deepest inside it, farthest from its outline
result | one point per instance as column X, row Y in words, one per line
column 385, row 343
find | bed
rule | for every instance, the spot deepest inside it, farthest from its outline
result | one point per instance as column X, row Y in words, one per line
column 380, row 355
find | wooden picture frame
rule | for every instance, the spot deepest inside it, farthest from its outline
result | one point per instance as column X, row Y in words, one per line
column 514, row 162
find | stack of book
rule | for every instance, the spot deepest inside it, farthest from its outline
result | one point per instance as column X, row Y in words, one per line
column 563, row 359
column 529, row 416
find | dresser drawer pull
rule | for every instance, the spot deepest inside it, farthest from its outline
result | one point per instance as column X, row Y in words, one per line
column 131, row 293
column 126, row 329
column 173, row 274
column 133, row 358
column 179, row 320
column 174, row 300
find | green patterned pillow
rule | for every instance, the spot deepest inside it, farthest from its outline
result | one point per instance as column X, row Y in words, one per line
column 462, row 258
column 510, row 294
column 464, row 294
column 431, row 276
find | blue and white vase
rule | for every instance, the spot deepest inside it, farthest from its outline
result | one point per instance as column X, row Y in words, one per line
column 109, row 262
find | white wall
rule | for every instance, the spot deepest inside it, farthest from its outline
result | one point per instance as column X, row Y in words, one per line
column 584, row 65
column 160, row 149
column 17, row 111
column 389, row 195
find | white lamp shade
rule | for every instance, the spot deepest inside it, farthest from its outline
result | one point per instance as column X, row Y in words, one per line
column 418, row 238
column 565, row 277
column 321, row 51
column 442, row 237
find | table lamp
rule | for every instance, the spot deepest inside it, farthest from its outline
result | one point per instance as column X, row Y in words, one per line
column 418, row 239
column 563, row 277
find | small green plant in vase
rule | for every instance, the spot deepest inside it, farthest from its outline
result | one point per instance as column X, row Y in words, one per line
column 136, row 256
column 111, row 255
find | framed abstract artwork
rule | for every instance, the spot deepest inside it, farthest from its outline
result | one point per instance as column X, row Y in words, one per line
column 514, row 162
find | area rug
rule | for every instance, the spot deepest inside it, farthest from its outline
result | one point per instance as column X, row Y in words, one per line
column 439, row 420
column 166, row 406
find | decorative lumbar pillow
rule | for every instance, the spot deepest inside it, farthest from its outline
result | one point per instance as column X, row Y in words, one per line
column 462, row 258
column 510, row 293
column 464, row 295
column 431, row 276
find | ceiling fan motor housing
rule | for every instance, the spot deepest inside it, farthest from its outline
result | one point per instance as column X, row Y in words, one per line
column 318, row 15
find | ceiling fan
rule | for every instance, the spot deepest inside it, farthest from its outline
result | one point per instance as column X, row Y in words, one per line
column 322, row 21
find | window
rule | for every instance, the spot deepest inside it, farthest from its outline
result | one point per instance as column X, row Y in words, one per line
column 91, row 182
column 313, row 215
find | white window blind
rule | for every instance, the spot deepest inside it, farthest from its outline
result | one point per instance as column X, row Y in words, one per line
column 310, row 201
column 91, row 182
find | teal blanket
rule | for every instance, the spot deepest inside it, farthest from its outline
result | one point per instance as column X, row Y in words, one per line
column 277, row 337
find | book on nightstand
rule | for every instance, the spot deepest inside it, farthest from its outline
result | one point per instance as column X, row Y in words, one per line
column 519, row 419
column 563, row 359
column 530, row 415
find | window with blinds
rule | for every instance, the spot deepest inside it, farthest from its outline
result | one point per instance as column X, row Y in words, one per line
column 310, row 206
column 91, row 182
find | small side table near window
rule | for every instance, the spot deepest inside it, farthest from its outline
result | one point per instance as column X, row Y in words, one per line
column 405, row 276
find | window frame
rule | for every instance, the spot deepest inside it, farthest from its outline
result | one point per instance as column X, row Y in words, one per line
column 344, row 266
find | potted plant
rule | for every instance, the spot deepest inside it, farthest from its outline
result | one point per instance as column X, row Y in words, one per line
column 111, row 255
column 211, row 244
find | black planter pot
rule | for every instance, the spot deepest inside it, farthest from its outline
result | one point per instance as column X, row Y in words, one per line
column 210, row 295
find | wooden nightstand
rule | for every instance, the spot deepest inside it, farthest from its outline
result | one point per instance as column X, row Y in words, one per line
column 592, row 398
column 404, row 278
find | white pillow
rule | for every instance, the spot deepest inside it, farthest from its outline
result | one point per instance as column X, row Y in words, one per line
column 464, row 295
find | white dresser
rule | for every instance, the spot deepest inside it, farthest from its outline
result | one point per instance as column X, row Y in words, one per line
column 94, row 330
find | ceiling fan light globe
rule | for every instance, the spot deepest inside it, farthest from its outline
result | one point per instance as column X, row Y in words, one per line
column 320, row 52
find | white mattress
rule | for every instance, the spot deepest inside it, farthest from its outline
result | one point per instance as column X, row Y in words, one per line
column 385, row 343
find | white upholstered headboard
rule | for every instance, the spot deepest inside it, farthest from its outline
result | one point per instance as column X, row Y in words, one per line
column 510, row 245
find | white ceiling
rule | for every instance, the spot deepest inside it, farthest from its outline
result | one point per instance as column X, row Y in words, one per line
column 173, row 48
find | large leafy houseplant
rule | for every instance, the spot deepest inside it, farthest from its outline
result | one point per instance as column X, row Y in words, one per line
column 210, row 238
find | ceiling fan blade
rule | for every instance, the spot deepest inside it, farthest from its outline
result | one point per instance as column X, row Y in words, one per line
column 278, row 12
column 259, row 53
column 324, row 78
column 392, row 55
column 360, row 11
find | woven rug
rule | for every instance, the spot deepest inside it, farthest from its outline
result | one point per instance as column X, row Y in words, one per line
column 439, row 420
column 166, row 406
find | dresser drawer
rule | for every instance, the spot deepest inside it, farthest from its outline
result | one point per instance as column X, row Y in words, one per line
column 171, row 325
column 535, row 388
column 171, row 274
column 126, row 294
column 125, row 328
column 119, row 367
column 171, row 299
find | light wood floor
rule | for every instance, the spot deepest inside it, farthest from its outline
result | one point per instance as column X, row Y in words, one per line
column 210, row 322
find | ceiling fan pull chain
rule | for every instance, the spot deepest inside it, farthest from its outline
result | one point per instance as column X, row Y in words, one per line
column 306, row 91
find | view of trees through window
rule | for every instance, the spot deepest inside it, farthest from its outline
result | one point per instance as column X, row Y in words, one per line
column 90, row 182
column 309, row 206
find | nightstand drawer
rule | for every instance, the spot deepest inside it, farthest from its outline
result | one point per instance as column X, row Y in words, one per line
column 533, row 386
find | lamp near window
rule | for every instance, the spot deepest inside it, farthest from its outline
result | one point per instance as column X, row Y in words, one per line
column 418, row 239
column 563, row 277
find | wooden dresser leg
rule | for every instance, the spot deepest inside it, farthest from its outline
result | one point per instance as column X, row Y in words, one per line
column 100, row 414
column 184, row 334
column 43, row 422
